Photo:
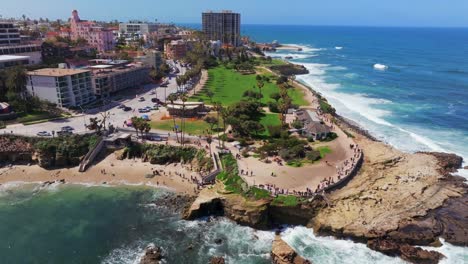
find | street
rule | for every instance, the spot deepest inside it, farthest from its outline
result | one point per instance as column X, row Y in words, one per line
column 116, row 116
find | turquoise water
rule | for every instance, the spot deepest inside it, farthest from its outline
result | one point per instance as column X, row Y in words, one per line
column 79, row 224
column 82, row 224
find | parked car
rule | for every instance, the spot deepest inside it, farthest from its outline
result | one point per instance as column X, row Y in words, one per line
column 152, row 93
column 121, row 106
column 43, row 134
column 64, row 133
column 143, row 110
column 67, row 128
column 142, row 99
column 154, row 138
column 127, row 108
column 156, row 100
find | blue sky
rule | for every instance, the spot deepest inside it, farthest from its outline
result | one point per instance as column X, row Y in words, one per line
column 438, row 13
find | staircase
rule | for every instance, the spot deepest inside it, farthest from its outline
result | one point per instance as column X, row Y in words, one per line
column 91, row 155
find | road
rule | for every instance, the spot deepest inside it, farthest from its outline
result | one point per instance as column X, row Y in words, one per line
column 117, row 117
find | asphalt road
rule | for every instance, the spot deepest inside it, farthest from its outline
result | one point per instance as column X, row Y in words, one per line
column 116, row 116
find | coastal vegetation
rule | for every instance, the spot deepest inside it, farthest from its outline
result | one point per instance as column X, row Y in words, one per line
column 233, row 183
column 63, row 151
column 168, row 154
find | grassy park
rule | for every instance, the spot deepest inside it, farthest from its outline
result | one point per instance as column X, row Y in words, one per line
column 192, row 127
column 228, row 87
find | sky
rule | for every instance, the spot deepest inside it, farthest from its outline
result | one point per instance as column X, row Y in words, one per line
column 409, row 13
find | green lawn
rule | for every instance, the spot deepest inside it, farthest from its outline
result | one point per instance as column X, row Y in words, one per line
column 228, row 87
column 286, row 200
column 324, row 151
column 269, row 119
column 37, row 117
column 198, row 127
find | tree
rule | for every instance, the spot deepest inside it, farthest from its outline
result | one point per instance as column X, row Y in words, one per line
column 172, row 98
column 218, row 107
column 212, row 121
column 16, row 79
column 210, row 95
column 275, row 96
column 297, row 124
column 260, row 85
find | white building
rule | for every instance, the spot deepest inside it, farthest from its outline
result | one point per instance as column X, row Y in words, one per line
column 9, row 34
column 7, row 61
column 64, row 87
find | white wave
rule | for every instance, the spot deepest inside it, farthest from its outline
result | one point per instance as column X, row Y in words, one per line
column 339, row 48
column 126, row 254
column 290, row 56
column 463, row 173
column 305, row 48
column 380, row 67
column 330, row 250
column 453, row 254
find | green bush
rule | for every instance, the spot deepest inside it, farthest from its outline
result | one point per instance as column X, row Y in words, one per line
column 313, row 155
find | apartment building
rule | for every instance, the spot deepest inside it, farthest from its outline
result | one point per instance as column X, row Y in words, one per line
column 224, row 26
column 7, row 61
column 175, row 49
column 100, row 38
column 9, row 34
column 64, row 87
column 111, row 77
column 152, row 59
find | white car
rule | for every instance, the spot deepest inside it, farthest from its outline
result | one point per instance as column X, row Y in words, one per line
column 43, row 134
column 142, row 99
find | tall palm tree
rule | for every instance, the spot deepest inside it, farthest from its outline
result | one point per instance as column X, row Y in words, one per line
column 184, row 99
column 172, row 98
column 260, row 85
column 218, row 107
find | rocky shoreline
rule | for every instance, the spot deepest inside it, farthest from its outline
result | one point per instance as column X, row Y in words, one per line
column 396, row 203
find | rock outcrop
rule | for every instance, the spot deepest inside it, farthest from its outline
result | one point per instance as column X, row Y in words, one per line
column 405, row 251
column 259, row 214
column 409, row 199
column 210, row 202
column 153, row 255
column 217, row 260
column 282, row 253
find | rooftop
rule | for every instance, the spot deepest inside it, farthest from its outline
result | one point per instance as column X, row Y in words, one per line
column 5, row 58
column 56, row 72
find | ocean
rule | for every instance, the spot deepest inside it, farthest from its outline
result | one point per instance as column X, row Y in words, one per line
column 407, row 86
column 417, row 101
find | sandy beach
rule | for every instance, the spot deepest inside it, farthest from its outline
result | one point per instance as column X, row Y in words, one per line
column 109, row 171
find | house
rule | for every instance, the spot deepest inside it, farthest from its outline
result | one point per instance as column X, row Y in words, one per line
column 4, row 108
column 313, row 125
column 187, row 109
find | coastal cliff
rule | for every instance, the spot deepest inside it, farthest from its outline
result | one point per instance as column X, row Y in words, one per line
column 259, row 214
column 397, row 201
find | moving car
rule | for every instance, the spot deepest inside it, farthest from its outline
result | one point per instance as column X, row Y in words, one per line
column 67, row 128
column 64, row 133
column 121, row 106
column 127, row 108
column 43, row 134
column 143, row 110
column 142, row 99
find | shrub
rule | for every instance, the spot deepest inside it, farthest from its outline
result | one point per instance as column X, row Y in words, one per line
column 275, row 131
column 313, row 155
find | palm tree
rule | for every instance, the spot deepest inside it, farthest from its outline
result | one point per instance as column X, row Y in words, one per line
column 218, row 107
column 260, row 85
column 172, row 98
column 183, row 98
